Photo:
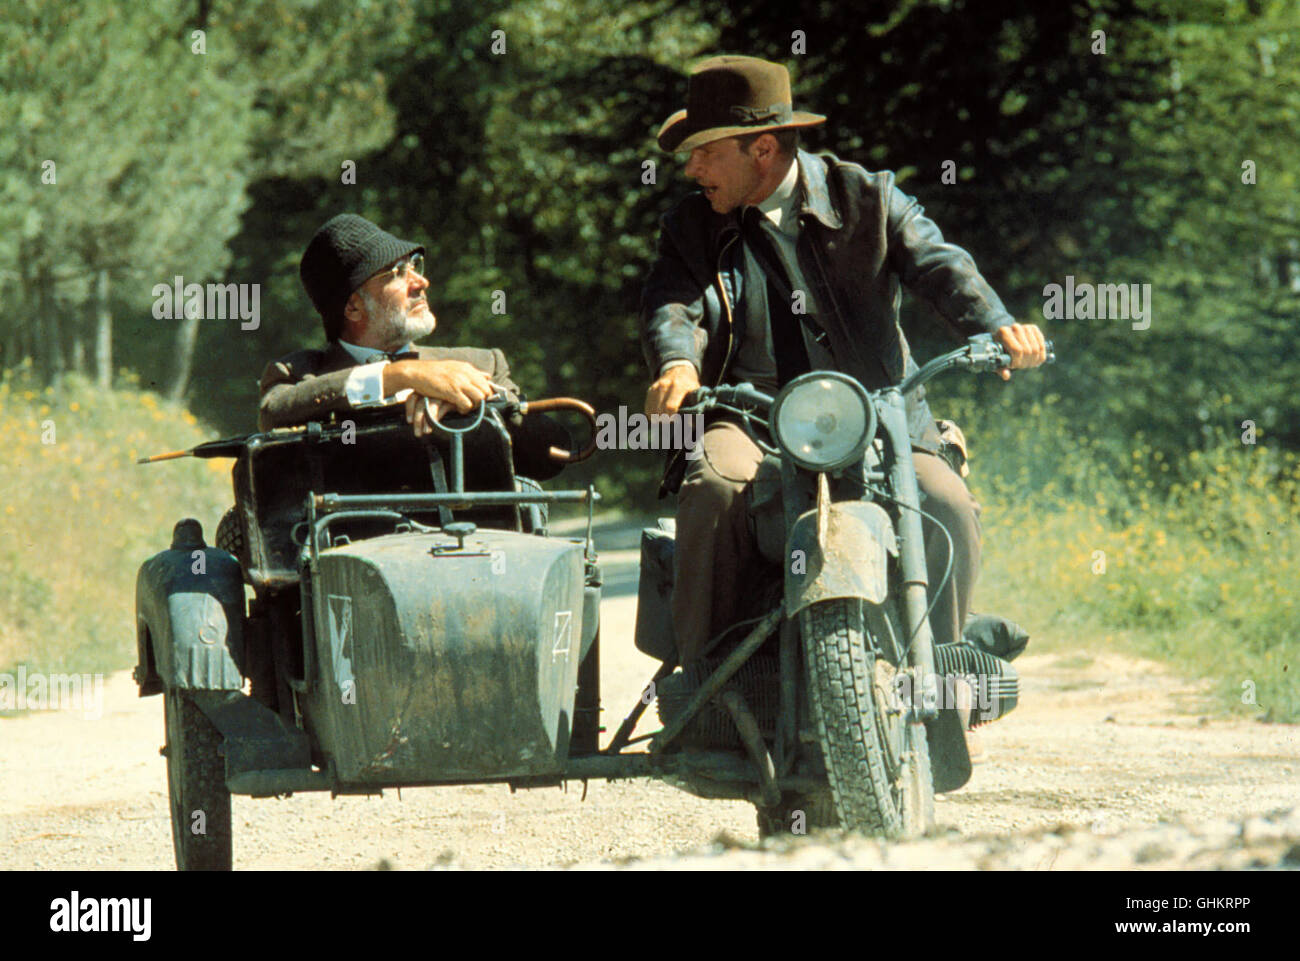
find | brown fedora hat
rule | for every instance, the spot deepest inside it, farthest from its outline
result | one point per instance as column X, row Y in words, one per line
column 732, row 97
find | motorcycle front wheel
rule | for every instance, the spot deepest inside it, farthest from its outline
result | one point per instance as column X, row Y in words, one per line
column 877, row 762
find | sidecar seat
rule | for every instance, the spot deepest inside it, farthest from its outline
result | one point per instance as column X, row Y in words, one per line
column 274, row 474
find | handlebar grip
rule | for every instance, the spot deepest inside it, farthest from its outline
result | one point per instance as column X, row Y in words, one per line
column 1004, row 358
column 569, row 404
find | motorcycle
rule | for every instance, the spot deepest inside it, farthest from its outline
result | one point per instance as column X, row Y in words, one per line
column 840, row 684
column 415, row 622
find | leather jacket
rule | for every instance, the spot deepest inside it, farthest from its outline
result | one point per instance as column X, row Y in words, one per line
column 860, row 236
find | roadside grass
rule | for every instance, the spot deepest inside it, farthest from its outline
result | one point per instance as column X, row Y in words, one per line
column 78, row 516
column 1093, row 547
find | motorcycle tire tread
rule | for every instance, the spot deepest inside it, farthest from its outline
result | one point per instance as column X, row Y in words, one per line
column 840, row 675
column 196, row 783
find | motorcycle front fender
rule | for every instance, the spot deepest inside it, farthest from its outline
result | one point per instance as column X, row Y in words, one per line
column 838, row 550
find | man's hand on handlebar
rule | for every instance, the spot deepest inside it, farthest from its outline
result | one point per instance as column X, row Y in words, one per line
column 666, row 394
column 1026, row 345
column 457, row 384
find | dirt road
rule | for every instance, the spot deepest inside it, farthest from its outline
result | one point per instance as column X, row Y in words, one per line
column 1108, row 746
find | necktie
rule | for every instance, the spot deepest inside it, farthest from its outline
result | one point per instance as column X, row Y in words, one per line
column 403, row 355
column 787, row 330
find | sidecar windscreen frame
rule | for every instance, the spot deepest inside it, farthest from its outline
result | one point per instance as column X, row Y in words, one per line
column 275, row 471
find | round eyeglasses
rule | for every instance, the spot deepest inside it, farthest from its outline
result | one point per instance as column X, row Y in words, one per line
column 413, row 263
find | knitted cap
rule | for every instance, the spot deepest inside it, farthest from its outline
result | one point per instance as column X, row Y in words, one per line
column 346, row 252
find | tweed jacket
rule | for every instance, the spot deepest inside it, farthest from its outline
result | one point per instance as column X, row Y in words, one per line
column 309, row 384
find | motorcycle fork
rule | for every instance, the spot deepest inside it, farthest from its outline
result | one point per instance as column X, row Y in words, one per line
column 912, row 565
column 795, row 499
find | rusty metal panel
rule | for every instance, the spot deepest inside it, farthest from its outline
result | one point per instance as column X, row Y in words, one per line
column 193, row 612
column 849, row 559
column 437, row 662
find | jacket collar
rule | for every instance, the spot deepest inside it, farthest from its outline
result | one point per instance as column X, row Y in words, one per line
column 816, row 196
column 365, row 355
column 336, row 357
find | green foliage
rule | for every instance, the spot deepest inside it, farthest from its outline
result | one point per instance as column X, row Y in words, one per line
column 1091, row 549
column 144, row 145
column 157, row 122
column 79, row 515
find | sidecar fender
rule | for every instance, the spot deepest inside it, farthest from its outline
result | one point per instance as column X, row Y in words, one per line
column 848, row 557
column 189, row 621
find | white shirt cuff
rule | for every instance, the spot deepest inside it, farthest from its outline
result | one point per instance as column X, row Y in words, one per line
column 669, row 365
column 365, row 386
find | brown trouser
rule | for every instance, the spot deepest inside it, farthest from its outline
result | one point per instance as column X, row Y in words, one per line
column 716, row 554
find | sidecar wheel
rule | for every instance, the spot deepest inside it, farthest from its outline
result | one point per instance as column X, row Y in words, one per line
column 877, row 763
column 196, row 787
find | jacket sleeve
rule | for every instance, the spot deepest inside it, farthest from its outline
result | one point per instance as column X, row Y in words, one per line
column 500, row 374
column 288, row 399
column 942, row 274
column 672, row 305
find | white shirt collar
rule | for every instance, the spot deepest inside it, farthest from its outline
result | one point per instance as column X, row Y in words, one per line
column 367, row 355
column 779, row 206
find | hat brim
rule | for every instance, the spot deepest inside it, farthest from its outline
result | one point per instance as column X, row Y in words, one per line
column 679, row 135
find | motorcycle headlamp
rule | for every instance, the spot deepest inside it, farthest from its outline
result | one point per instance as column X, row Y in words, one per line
column 823, row 420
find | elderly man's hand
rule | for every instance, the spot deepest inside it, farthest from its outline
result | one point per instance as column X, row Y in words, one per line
column 666, row 394
column 421, row 412
column 461, row 385
column 1026, row 345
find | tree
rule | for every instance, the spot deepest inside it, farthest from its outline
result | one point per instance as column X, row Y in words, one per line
column 175, row 108
column 122, row 133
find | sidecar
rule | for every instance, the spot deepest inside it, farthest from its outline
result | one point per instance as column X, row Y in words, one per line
column 412, row 622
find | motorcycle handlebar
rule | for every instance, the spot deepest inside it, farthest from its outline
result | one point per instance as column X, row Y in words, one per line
column 729, row 394
column 980, row 354
column 573, row 404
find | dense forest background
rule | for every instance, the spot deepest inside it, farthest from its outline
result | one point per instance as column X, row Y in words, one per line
column 1114, row 141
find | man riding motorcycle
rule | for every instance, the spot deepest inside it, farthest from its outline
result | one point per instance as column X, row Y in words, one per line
column 787, row 262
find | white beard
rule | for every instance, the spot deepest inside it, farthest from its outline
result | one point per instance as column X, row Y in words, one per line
column 396, row 327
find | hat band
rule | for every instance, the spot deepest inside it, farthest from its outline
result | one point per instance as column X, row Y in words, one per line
column 753, row 116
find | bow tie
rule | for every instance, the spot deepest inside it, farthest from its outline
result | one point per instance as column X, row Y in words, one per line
column 396, row 355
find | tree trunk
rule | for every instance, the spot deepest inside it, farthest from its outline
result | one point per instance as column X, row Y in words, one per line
column 103, row 334
column 29, row 316
column 51, row 328
column 77, row 359
column 187, row 335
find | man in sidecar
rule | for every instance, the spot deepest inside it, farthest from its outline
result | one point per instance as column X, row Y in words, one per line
column 370, row 291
